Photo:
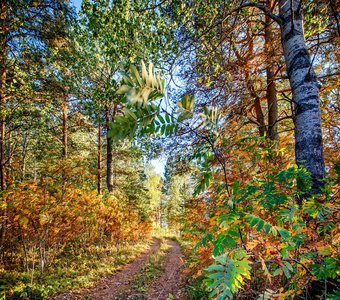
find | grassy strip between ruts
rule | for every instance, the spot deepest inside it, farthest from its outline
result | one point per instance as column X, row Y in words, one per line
column 149, row 272
column 72, row 270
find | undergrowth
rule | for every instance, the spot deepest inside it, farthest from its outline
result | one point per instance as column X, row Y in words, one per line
column 195, row 287
column 73, row 269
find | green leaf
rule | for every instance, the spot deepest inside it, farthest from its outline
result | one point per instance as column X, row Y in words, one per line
column 130, row 113
column 274, row 231
column 283, row 232
column 196, row 247
column 228, row 274
column 228, row 241
column 253, row 220
column 277, row 272
column 289, row 266
column 285, row 271
column 222, row 259
column 260, row 225
column 217, row 275
column 161, row 119
column 210, row 236
column 212, row 268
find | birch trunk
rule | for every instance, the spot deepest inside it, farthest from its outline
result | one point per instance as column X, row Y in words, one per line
column 303, row 82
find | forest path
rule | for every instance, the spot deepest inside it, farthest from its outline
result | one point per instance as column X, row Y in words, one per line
column 120, row 285
column 112, row 286
column 171, row 281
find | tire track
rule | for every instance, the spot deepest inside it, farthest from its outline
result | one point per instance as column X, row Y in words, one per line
column 171, row 280
column 113, row 285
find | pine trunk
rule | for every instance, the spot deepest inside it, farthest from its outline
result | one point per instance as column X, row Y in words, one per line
column 3, row 73
column 2, row 154
column 271, row 93
column 109, row 152
column 65, row 129
column 99, row 161
column 24, row 153
column 303, row 82
column 259, row 116
column 64, row 139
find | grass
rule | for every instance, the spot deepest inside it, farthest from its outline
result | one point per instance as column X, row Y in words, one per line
column 71, row 270
column 151, row 270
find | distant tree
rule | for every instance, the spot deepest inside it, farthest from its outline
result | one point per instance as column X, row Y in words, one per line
column 27, row 30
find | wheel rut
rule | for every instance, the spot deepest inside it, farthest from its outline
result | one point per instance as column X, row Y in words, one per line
column 113, row 285
column 171, row 281
column 119, row 285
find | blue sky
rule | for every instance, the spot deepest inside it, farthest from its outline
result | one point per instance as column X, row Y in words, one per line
column 76, row 3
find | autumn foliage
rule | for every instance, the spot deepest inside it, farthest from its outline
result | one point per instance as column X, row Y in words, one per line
column 41, row 222
column 286, row 249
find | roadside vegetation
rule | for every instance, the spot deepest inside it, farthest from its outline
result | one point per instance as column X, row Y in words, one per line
column 238, row 101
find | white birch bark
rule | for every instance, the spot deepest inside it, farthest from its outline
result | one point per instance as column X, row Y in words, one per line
column 303, row 82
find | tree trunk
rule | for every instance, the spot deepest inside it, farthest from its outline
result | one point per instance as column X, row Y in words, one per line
column 8, row 169
column 2, row 154
column 24, row 153
column 3, row 74
column 303, row 82
column 99, row 161
column 259, row 116
column 4, row 27
column 65, row 129
column 109, row 151
column 64, row 139
column 271, row 93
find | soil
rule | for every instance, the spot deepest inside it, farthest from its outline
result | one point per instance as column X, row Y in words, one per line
column 171, row 281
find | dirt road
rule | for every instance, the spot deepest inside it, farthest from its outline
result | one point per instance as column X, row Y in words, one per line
column 118, row 285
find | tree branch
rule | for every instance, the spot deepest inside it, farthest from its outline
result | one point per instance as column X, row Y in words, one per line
column 262, row 7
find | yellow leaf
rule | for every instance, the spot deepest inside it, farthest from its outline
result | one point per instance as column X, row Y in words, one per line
column 325, row 250
column 265, row 269
column 252, row 245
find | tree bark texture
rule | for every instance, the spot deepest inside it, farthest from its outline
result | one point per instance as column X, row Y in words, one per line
column 64, row 139
column 65, row 129
column 2, row 154
column 3, row 75
column 271, row 93
column 259, row 116
column 99, row 160
column 24, row 153
column 109, row 151
column 303, row 82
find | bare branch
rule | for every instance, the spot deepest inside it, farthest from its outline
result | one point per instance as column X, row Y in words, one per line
column 261, row 7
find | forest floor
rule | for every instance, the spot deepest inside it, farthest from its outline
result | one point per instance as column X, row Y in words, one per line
column 155, row 274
